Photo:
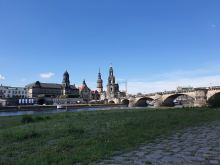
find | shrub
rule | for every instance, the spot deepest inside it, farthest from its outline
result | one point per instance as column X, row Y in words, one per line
column 27, row 119
column 41, row 118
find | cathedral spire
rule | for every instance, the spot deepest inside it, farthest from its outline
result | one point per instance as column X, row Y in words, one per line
column 99, row 74
column 111, row 70
column 84, row 82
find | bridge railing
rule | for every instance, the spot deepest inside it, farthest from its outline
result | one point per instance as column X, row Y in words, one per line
column 179, row 91
column 214, row 88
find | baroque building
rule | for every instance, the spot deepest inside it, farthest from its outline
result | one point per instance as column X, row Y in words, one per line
column 112, row 94
column 112, row 86
column 85, row 92
column 52, row 90
column 100, row 83
column 69, row 90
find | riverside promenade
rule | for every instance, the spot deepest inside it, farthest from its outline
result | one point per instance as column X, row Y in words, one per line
column 52, row 107
column 195, row 146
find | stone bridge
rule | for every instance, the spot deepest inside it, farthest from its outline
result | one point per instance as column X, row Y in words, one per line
column 199, row 96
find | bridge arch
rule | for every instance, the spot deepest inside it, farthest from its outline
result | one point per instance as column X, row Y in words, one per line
column 111, row 102
column 214, row 99
column 169, row 100
column 211, row 93
column 143, row 102
column 125, row 102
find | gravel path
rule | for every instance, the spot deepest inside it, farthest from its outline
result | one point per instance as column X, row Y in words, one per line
column 197, row 145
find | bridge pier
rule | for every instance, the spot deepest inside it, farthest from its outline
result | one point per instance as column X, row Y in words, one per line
column 158, row 101
column 131, row 103
column 200, row 97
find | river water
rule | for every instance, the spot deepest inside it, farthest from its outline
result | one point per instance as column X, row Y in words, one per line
column 31, row 112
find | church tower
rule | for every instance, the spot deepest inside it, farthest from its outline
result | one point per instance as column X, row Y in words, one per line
column 100, row 83
column 112, row 87
column 66, row 83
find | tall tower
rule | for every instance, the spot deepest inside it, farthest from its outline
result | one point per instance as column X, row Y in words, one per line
column 100, row 83
column 112, row 87
column 66, row 83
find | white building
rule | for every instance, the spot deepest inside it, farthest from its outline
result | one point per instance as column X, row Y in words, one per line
column 12, row 92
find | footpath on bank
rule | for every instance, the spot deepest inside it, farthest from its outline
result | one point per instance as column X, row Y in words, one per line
column 197, row 145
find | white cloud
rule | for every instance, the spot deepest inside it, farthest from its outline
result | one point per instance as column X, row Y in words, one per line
column 47, row 75
column 169, row 81
column 2, row 77
column 160, row 86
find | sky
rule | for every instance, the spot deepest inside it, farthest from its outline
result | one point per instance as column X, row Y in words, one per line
column 154, row 45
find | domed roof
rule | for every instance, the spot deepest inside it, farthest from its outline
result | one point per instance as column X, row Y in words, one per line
column 66, row 79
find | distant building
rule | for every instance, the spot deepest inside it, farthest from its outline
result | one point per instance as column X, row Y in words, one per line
column 53, row 90
column 100, row 83
column 112, row 91
column 1, row 94
column 67, row 89
column 189, row 88
column 12, row 92
column 112, row 86
column 95, row 95
column 85, row 92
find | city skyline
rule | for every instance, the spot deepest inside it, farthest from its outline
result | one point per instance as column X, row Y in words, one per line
column 155, row 46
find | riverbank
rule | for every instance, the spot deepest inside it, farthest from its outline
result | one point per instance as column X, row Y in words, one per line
column 52, row 107
column 197, row 146
column 87, row 137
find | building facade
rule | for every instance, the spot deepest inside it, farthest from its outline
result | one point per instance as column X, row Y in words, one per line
column 112, row 86
column 100, row 83
column 113, row 93
column 12, row 92
column 53, row 90
column 85, row 92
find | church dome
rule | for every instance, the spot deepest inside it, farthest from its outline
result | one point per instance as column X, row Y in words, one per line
column 37, row 84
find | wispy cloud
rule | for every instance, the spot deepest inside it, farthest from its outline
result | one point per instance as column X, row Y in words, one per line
column 2, row 77
column 199, row 72
column 47, row 75
column 160, row 86
column 23, row 80
column 169, row 81
column 213, row 25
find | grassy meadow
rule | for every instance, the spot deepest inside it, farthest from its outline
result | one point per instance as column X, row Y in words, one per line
column 87, row 137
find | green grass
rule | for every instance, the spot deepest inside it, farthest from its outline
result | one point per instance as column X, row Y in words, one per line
column 87, row 137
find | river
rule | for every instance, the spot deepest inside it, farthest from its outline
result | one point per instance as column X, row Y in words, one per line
column 31, row 112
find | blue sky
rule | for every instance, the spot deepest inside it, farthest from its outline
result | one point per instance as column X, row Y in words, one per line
column 153, row 44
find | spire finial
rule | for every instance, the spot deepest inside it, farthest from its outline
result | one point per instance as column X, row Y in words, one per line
column 84, row 82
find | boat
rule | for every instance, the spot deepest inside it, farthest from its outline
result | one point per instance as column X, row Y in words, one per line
column 60, row 107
